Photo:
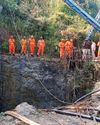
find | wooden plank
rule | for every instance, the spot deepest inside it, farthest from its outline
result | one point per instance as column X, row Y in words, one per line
column 21, row 118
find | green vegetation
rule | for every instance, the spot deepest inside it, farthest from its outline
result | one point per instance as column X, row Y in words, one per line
column 44, row 17
column 85, row 77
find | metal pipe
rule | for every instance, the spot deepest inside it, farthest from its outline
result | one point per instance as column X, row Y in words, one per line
column 95, row 91
column 76, row 114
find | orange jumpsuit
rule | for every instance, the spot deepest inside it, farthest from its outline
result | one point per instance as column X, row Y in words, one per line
column 11, row 42
column 41, row 45
column 32, row 45
column 98, row 48
column 23, row 46
column 62, row 49
column 69, row 49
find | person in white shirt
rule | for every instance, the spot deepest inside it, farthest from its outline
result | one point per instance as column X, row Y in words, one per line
column 93, row 49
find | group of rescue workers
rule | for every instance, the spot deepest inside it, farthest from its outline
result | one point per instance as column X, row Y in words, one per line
column 24, row 43
column 66, row 47
column 88, row 49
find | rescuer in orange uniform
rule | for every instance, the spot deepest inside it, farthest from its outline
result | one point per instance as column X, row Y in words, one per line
column 41, row 45
column 11, row 43
column 62, row 48
column 69, row 48
column 32, row 44
column 23, row 45
column 98, row 44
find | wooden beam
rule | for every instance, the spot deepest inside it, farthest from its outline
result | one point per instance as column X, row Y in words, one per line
column 21, row 118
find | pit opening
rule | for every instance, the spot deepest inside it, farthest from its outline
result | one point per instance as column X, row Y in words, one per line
column 22, row 81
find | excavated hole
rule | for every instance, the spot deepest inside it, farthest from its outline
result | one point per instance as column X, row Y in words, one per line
column 20, row 83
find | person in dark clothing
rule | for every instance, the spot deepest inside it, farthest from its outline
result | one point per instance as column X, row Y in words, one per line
column 86, row 47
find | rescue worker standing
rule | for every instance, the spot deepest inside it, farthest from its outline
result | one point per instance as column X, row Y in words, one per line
column 69, row 48
column 32, row 44
column 98, row 44
column 23, row 45
column 93, row 49
column 11, row 43
column 61, row 45
column 41, row 46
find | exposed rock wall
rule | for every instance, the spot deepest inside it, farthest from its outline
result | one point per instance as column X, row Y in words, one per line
column 28, row 79
column 19, row 81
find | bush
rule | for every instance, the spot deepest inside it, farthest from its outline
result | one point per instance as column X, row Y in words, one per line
column 4, row 46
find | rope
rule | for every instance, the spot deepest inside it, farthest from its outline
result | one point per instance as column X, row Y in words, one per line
column 45, row 88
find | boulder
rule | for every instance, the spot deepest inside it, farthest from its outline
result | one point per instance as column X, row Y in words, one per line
column 25, row 109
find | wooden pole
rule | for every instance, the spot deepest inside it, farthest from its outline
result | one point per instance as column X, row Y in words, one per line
column 21, row 118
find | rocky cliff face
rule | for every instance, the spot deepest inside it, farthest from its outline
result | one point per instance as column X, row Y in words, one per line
column 25, row 78
column 40, row 82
